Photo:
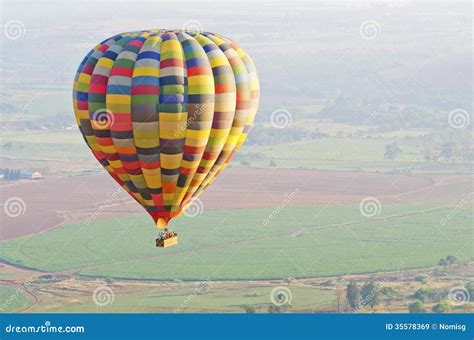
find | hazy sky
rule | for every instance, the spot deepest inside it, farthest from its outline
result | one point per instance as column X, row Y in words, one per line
column 305, row 51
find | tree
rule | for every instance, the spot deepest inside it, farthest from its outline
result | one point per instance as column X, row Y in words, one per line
column 444, row 306
column 389, row 292
column 422, row 278
column 423, row 294
column 272, row 309
column 353, row 295
column 443, row 263
column 370, row 294
column 16, row 174
column 429, row 152
column 272, row 163
column 448, row 260
column 249, row 309
column 416, row 307
column 470, row 289
column 392, row 151
column 448, row 150
column 451, row 259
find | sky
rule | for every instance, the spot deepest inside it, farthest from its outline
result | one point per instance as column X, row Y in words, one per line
column 306, row 52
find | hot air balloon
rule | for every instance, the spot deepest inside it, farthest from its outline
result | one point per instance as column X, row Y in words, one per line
column 164, row 112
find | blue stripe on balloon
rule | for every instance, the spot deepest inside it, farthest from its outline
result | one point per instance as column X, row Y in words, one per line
column 118, row 89
column 83, row 96
column 149, row 55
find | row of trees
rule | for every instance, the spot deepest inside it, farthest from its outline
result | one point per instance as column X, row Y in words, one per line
column 11, row 174
column 392, row 151
column 447, row 261
column 452, row 150
column 272, row 309
column 426, row 295
column 364, row 109
column 444, row 306
column 359, row 297
column 369, row 295
column 448, row 144
column 356, row 296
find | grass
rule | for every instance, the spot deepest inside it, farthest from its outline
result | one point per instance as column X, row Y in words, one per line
column 59, row 145
column 11, row 299
column 72, row 136
column 301, row 241
column 331, row 153
column 217, row 298
column 335, row 153
column 43, row 102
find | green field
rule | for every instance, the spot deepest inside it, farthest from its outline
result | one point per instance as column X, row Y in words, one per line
column 11, row 299
column 72, row 136
column 300, row 241
column 329, row 153
column 58, row 145
column 217, row 299
column 348, row 154
column 44, row 101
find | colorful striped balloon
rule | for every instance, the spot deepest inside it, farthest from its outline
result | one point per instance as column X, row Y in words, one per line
column 164, row 112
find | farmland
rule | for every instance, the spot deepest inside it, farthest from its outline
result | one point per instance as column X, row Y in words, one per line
column 333, row 152
column 351, row 154
column 40, row 292
column 56, row 200
column 222, row 297
column 301, row 241
column 12, row 299
column 368, row 120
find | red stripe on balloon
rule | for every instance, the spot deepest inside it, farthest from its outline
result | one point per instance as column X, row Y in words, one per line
column 121, row 71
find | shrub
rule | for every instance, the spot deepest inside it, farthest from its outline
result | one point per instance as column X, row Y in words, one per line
column 416, row 307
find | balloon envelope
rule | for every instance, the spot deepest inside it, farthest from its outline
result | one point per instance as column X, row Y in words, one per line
column 164, row 112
